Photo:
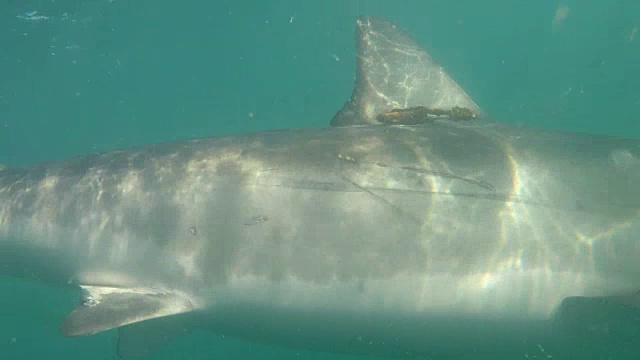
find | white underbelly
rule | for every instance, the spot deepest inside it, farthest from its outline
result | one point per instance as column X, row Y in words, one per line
column 408, row 314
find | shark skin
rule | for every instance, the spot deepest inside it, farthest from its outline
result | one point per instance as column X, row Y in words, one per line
column 447, row 239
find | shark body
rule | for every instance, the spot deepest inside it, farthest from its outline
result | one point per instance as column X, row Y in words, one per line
column 446, row 238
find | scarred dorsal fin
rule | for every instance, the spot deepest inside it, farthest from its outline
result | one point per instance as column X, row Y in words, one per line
column 393, row 72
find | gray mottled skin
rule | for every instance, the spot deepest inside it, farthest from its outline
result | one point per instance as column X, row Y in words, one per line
column 444, row 238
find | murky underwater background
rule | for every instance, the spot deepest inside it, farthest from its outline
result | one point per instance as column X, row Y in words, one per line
column 80, row 76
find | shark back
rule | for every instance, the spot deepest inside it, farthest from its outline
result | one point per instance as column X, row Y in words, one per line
column 399, row 231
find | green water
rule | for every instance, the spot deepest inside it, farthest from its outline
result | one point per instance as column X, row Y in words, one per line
column 92, row 75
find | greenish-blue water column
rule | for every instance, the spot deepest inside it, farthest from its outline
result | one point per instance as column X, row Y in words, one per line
column 83, row 76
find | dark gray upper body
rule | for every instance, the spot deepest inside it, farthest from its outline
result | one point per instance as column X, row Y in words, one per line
column 444, row 237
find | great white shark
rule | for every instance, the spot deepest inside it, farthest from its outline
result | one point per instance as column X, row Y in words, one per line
column 411, row 227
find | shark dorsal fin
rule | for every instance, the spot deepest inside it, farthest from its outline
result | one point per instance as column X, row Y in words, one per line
column 393, row 72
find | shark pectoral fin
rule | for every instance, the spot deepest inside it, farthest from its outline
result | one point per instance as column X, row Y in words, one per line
column 146, row 337
column 105, row 308
column 601, row 319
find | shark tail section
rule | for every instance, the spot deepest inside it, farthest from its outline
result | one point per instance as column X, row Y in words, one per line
column 394, row 72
